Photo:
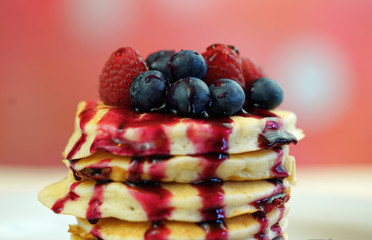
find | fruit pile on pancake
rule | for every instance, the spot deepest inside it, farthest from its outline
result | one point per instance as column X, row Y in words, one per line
column 178, row 155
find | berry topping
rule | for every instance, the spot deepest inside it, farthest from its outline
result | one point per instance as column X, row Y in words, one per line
column 148, row 91
column 159, row 60
column 114, row 82
column 251, row 72
column 265, row 93
column 227, row 97
column 186, row 63
column 223, row 61
column 189, row 96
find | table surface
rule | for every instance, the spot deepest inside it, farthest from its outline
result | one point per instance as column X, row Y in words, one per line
column 328, row 203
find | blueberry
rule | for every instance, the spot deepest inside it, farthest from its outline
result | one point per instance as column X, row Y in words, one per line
column 265, row 93
column 186, row 63
column 189, row 96
column 159, row 60
column 148, row 91
column 227, row 97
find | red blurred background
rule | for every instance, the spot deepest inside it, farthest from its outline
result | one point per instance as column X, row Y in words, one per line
column 51, row 53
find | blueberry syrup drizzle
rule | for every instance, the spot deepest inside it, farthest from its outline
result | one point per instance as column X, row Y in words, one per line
column 157, row 166
column 151, row 137
column 277, row 199
column 274, row 135
column 77, row 175
column 276, row 229
column 260, row 217
column 96, row 232
column 157, row 231
column 71, row 196
column 85, row 116
column 218, row 132
column 154, row 199
column 155, row 171
column 99, row 172
column 215, row 230
column 93, row 213
column 266, row 205
column 212, row 196
column 209, row 164
column 279, row 170
column 135, row 170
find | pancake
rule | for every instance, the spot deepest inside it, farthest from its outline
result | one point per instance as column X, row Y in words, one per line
column 242, row 227
column 158, row 201
column 262, row 164
column 124, row 132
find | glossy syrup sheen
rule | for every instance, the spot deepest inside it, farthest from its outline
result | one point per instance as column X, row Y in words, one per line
column 71, row 196
column 155, row 199
column 153, row 140
column 215, row 230
column 115, row 123
column 85, row 116
column 212, row 197
column 261, row 218
column 279, row 170
column 157, row 231
column 93, row 213
column 96, row 232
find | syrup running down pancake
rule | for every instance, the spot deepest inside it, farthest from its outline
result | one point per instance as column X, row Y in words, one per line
column 262, row 164
column 201, row 201
column 247, row 226
column 127, row 133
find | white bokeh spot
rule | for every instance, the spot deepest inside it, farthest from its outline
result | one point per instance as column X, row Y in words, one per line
column 95, row 21
column 316, row 79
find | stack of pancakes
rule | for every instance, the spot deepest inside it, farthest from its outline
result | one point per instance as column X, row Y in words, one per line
column 160, row 176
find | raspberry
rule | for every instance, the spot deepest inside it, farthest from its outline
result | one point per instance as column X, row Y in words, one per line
column 251, row 72
column 223, row 61
column 117, row 75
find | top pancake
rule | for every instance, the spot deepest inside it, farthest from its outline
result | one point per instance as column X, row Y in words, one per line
column 127, row 133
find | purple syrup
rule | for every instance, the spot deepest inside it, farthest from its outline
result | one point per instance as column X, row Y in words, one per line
column 209, row 165
column 77, row 146
column 99, row 172
column 157, row 167
column 212, row 197
column 276, row 227
column 93, row 213
column 157, row 231
column 274, row 135
column 218, row 132
column 77, row 175
column 154, row 199
column 279, row 170
column 71, row 196
column 274, row 200
column 215, row 230
column 150, row 133
column 96, row 232
column 135, row 169
column 85, row 116
column 260, row 217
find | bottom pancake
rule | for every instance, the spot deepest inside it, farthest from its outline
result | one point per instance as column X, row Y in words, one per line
column 248, row 226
